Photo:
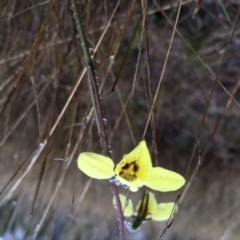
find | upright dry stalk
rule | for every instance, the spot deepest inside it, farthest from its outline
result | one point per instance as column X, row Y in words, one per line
column 97, row 107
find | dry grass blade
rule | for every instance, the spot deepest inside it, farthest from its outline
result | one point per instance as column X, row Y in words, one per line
column 236, row 88
column 197, row 7
column 58, row 185
column 163, row 70
column 97, row 108
column 197, row 56
column 24, row 70
column 194, row 174
column 24, row 114
column 123, row 112
column 213, row 88
column 32, row 162
column 126, row 54
column 184, row 73
column 144, row 12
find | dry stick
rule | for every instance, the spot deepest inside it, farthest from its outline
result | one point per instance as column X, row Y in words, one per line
column 109, row 70
column 83, row 72
column 126, row 18
column 25, row 10
column 82, row 196
column 38, row 187
column 71, row 130
column 62, row 176
column 119, row 38
column 230, row 228
column 207, row 106
column 197, row 56
column 73, row 117
column 123, row 112
column 42, row 145
column 66, row 159
column 37, row 228
column 61, row 41
column 126, row 54
column 128, row 98
column 33, row 160
column 40, row 149
column 197, row 78
column 230, row 211
column 209, row 98
column 6, row 81
column 59, row 184
column 37, row 107
column 87, row 116
column 92, row 83
column 220, row 119
column 24, row 114
column 28, row 59
column 121, row 34
column 187, row 186
column 18, row 169
column 13, row 219
column 97, row 107
column 154, row 136
column 197, row 7
column 144, row 8
column 163, row 70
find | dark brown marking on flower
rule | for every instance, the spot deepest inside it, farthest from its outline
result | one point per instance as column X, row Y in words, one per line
column 129, row 171
column 126, row 166
column 128, row 177
column 135, row 168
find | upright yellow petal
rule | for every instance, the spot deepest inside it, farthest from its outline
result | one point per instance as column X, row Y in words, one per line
column 164, row 180
column 152, row 205
column 127, row 205
column 95, row 165
column 163, row 211
column 136, row 164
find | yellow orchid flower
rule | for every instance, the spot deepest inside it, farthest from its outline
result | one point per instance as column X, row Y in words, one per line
column 133, row 171
column 126, row 204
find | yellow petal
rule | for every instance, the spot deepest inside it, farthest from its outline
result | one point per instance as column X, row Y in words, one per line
column 136, row 164
column 95, row 165
column 164, row 180
column 133, row 188
column 152, row 205
column 163, row 211
column 127, row 205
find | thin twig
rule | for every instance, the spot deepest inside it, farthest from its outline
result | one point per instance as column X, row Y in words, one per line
column 164, row 68
column 194, row 173
column 97, row 107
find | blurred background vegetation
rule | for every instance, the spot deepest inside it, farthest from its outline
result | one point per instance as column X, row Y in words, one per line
column 46, row 117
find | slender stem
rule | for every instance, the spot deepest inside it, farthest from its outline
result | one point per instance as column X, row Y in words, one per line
column 97, row 107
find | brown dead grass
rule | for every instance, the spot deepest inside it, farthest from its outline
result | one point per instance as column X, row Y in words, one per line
column 40, row 64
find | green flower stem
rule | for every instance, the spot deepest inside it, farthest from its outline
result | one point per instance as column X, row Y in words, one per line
column 96, row 102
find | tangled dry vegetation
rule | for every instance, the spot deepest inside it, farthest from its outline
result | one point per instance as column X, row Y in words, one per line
column 189, row 74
